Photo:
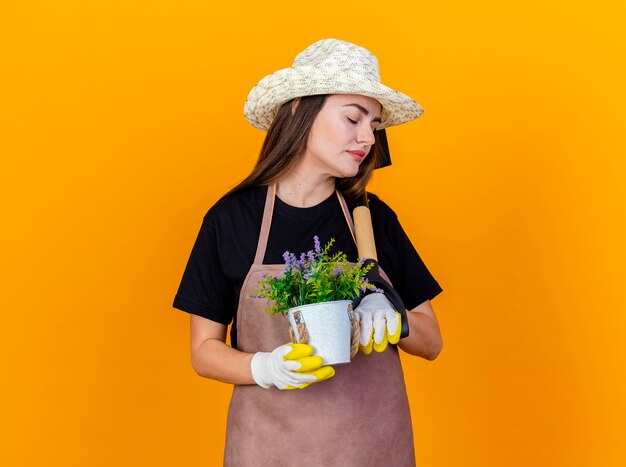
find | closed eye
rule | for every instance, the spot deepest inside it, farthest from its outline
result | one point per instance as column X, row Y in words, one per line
column 354, row 122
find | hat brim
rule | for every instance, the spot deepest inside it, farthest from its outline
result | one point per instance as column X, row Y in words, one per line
column 283, row 85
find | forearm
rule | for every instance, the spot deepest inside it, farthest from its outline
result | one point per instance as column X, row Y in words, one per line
column 424, row 339
column 214, row 359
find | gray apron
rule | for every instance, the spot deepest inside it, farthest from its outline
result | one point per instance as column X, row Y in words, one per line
column 360, row 417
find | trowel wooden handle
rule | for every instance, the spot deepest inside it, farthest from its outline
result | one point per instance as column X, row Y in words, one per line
column 364, row 232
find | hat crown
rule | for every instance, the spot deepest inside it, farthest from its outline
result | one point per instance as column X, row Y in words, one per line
column 328, row 66
column 341, row 56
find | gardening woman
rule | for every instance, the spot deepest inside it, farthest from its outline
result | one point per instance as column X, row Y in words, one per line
column 322, row 117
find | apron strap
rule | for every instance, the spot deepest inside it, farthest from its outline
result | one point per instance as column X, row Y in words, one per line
column 268, row 211
column 265, row 224
column 346, row 214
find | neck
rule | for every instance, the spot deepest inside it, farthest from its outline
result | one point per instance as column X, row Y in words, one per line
column 302, row 190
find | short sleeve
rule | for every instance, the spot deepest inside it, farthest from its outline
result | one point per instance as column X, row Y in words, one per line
column 400, row 260
column 204, row 289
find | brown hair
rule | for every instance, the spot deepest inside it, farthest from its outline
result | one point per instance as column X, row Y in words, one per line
column 285, row 144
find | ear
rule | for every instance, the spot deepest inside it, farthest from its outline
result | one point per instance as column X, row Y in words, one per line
column 294, row 105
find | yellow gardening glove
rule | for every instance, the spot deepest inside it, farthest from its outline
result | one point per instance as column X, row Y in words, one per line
column 379, row 321
column 289, row 366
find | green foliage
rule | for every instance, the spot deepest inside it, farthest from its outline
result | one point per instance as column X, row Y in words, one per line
column 314, row 277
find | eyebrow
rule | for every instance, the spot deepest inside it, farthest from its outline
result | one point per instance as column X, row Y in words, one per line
column 363, row 110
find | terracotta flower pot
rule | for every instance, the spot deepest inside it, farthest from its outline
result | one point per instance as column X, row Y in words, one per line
column 326, row 327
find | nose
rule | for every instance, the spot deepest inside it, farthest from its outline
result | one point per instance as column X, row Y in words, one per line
column 366, row 135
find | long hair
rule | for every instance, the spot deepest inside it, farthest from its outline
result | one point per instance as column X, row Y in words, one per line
column 285, row 144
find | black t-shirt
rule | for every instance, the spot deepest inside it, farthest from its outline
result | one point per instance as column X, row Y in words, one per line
column 226, row 245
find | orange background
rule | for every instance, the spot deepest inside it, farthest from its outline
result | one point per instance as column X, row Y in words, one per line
column 121, row 124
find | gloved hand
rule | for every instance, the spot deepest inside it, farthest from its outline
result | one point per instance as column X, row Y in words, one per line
column 379, row 321
column 289, row 366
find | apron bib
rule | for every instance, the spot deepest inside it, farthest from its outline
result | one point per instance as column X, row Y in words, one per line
column 359, row 417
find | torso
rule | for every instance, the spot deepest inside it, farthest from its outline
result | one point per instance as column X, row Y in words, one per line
column 359, row 417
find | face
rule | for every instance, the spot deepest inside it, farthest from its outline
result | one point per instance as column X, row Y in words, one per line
column 342, row 135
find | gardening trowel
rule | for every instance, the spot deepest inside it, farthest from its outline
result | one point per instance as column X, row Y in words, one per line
column 367, row 249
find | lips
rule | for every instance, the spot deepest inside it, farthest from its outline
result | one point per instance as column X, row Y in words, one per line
column 357, row 155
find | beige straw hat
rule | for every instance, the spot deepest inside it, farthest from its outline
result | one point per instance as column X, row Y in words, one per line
column 329, row 66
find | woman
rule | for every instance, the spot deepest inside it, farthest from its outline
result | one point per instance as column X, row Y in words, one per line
column 321, row 117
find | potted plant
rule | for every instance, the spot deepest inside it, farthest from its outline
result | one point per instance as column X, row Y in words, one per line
column 315, row 292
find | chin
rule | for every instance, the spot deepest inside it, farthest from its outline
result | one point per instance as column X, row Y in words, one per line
column 347, row 175
column 348, row 172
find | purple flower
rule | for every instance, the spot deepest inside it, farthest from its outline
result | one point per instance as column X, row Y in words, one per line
column 293, row 262
column 318, row 248
column 290, row 261
column 361, row 261
column 336, row 271
column 307, row 276
column 310, row 256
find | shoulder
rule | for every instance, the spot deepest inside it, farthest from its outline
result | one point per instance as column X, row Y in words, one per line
column 385, row 222
column 237, row 207
column 379, row 208
column 377, row 203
